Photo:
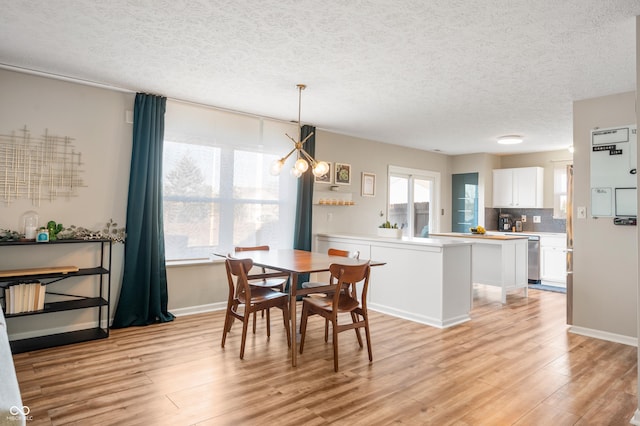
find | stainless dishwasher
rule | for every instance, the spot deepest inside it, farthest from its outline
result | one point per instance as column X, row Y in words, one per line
column 533, row 253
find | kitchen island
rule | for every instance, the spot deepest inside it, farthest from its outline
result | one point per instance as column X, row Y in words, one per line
column 426, row 280
column 497, row 260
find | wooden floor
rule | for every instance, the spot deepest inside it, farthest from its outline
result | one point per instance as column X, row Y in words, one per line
column 511, row 365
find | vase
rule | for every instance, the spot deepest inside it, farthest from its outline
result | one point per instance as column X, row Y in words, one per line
column 390, row 232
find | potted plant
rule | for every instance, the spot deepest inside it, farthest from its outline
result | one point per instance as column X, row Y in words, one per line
column 389, row 231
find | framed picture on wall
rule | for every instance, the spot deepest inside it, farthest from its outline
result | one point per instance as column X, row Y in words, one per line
column 325, row 178
column 368, row 184
column 342, row 174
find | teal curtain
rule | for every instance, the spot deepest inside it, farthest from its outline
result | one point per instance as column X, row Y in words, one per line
column 143, row 296
column 304, row 206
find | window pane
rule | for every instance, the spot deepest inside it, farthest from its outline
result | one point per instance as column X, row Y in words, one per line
column 422, row 190
column 560, row 192
column 218, row 192
column 191, row 213
column 254, row 224
column 399, row 201
column 251, row 177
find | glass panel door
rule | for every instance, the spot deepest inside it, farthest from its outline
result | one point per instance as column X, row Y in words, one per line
column 412, row 202
column 422, row 195
column 464, row 200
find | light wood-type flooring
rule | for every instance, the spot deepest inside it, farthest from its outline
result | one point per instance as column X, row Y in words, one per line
column 513, row 364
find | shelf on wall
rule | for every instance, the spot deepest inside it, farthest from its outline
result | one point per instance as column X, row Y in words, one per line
column 333, row 198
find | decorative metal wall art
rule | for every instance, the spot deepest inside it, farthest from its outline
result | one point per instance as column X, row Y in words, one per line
column 38, row 168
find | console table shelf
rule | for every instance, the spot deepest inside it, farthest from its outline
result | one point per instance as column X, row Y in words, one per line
column 99, row 302
column 59, row 339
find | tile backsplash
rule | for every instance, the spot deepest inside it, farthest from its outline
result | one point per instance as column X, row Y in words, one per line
column 547, row 222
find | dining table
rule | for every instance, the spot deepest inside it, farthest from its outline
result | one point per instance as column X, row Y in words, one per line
column 295, row 262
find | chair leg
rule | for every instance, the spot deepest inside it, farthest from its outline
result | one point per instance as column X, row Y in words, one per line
column 254, row 322
column 303, row 324
column 226, row 329
column 354, row 318
column 285, row 317
column 335, row 345
column 245, row 325
column 368, row 335
column 268, row 322
column 326, row 330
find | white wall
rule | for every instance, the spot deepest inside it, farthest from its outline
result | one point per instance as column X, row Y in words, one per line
column 95, row 118
column 605, row 256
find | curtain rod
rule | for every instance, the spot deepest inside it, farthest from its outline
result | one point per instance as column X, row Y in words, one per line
column 127, row 90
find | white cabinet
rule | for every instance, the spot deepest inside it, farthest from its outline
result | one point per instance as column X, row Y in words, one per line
column 553, row 260
column 518, row 188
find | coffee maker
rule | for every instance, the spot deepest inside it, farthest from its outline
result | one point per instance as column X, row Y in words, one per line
column 505, row 223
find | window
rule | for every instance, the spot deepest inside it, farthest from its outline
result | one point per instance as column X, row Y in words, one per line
column 217, row 189
column 414, row 200
column 560, row 191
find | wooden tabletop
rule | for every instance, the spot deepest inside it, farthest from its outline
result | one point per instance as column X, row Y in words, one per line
column 298, row 261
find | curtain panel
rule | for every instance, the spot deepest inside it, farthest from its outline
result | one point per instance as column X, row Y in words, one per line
column 143, row 296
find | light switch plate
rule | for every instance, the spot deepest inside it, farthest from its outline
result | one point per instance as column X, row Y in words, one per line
column 536, row 219
column 523, row 218
column 582, row 212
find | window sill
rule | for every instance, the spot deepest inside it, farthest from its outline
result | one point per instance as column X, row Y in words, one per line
column 191, row 262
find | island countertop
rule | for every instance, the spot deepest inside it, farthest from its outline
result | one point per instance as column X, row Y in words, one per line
column 482, row 236
column 407, row 241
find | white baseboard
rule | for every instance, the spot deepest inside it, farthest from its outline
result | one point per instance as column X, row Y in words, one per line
column 433, row 322
column 200, row 309
column 604, row 335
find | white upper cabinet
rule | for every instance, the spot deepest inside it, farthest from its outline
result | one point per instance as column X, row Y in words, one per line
column 518, row 188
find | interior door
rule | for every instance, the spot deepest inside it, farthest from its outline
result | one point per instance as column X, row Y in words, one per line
column 464, row 201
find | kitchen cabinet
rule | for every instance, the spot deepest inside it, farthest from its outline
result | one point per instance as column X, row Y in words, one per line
column 553, row 260
column 518, row 187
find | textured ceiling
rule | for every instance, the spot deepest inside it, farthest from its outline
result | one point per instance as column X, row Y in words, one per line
column 449, row 75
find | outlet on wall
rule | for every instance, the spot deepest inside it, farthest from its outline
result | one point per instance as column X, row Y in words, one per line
column 536, row 219
column 523, row 218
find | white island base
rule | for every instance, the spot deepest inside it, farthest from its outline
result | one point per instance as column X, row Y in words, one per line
column 424, row 280
column 498, row 260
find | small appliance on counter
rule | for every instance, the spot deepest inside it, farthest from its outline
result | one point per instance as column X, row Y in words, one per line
column 518, row 226
column 504, row 222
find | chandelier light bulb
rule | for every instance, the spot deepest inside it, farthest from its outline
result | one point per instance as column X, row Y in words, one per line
column 321, row 168
column 301, row 165
column 295, row 172
column 276, row 167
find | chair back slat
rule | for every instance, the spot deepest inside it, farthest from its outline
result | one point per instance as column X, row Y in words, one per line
column 345, row 276
column 237, row 270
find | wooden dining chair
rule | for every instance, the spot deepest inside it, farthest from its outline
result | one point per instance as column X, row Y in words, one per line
column 331, row 252
column 338, row 302
column 272, row 283
column 250, row 299
column 313, row 284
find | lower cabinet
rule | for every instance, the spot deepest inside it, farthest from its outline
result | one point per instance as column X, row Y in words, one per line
column 553, row 260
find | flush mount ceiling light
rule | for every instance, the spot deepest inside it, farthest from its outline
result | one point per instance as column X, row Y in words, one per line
column 510, row 139
column 319, row 168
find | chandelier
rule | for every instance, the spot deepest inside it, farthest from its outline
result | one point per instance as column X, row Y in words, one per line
column 304, row 160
